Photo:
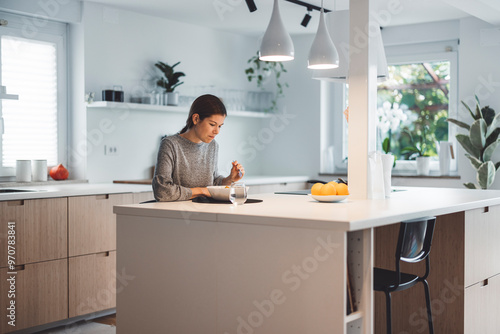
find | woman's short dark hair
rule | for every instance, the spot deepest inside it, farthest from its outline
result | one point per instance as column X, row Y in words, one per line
column 205, row 106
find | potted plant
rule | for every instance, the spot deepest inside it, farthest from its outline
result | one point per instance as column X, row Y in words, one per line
column 480, row 143
column 417, row 149
column 260, row 70
column 170, row 81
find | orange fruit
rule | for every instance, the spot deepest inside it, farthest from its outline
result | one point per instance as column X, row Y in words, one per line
column 342, row 189
column 328, row 189
column 316, row 189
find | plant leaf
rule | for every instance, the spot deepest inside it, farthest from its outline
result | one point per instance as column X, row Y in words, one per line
column 492, row 137
column 464, row 140
column 470, row 185
column 476, row 163
column 497, row 165
column 459, row 123
column 477, row 133
column 488, row 114
column 488, row 151
column 468, row 108
column 494, row 124
column 486, row 174
column 386, row 145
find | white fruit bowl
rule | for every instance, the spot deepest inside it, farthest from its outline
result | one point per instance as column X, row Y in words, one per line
column 329, row 198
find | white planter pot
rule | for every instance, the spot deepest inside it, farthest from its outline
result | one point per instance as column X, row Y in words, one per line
column 423, row 165
column 172, row 98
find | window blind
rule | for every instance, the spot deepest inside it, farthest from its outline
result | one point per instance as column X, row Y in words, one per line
column 29, row 69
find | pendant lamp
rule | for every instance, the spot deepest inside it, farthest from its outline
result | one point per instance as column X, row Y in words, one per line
column 323, row 54
column 338, row 22
column 276, row 44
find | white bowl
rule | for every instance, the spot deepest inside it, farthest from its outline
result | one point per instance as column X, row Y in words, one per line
column 220, row 193
column 329, row 198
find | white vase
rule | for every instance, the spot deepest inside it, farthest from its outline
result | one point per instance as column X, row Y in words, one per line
column 387, row 163
column 445, row 150
column 172, row 98
column 423, row 165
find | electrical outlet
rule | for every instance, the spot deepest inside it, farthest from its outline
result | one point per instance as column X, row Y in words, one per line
column 111, row 150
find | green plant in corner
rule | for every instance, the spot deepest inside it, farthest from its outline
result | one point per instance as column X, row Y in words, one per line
column 260, row 70
column 480, row 143
column 171, row 79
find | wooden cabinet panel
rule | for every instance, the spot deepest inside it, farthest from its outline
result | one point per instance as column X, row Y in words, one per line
column 41, row 294
column 143, row 197
column 482, row 307
column 92, row 223
column 40, row 229
column 92, row 285
column 482, row 234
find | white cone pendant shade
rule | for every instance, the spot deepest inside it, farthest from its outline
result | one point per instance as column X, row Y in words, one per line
column 323, row 54
column 338, row 24
column 276, row 44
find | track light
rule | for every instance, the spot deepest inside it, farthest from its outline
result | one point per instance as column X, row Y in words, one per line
column 306, row 19
column 251, row 5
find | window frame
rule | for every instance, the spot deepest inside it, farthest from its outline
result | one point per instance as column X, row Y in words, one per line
column 334, row 101
column 52, row 32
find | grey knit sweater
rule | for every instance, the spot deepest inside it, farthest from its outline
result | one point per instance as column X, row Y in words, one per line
column 181, row 165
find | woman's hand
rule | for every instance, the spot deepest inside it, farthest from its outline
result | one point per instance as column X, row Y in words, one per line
column 237, row 172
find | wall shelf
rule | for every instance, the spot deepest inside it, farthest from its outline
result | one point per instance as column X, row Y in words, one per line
column 171, row 109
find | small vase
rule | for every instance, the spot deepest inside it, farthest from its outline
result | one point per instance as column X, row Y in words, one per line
column 172, row 98
column 423, row 165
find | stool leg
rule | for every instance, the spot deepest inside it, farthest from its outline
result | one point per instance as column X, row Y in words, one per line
column 388, row 311
column 428, row 302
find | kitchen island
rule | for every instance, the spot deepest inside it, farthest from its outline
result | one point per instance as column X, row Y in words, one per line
column 281, row 266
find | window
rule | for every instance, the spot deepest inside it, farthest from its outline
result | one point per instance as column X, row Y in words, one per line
column 413, row 105
column 33, row 67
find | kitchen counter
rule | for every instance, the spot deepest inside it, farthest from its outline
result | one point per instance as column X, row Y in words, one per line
column 348, row 215
column 280, row 266
column 51, row 190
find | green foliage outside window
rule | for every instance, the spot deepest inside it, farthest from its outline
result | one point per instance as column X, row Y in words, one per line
column 413, row 108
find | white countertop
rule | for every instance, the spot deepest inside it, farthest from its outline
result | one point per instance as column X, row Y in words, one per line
column 70, row 189
column 303, row 211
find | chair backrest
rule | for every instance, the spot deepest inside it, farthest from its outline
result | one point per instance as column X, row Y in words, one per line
column 415, row 238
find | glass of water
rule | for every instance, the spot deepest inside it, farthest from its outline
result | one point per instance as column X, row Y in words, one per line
column 238, row 193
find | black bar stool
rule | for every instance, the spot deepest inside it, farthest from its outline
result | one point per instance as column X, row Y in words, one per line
column 414, row 245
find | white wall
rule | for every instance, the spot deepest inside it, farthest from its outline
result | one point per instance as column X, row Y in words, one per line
column 121, row 48
column 295, row 148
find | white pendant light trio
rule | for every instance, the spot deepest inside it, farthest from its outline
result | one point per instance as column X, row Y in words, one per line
column 277, row 44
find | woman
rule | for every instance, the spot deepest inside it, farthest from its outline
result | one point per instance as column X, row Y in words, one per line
column 187, row 161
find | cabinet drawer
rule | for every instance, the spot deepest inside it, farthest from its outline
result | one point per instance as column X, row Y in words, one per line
column 40, row 228
column 41, row 294
column 482, row 244
column 92, row 283
column 92, row 223
column 482, row 307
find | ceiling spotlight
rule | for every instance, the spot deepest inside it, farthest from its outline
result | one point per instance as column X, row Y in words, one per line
column 251, row 5
column 306, row 19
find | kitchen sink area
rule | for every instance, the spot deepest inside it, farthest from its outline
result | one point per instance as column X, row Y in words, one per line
column 9, row 191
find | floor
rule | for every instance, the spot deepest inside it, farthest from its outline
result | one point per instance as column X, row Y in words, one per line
column 103, row 325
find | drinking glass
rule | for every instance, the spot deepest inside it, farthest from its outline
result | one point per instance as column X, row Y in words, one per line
column 238, row 193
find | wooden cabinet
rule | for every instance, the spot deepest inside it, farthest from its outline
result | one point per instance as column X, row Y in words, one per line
column 482, row 307
column 482, row 235
column 41, row 294
column 143, row 197
column 92, row 281
column 40, row 229
column 92, row 223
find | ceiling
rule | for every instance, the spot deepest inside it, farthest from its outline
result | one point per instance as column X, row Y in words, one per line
column 234, row 16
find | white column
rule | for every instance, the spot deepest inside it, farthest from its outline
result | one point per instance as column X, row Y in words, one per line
column 362, row 95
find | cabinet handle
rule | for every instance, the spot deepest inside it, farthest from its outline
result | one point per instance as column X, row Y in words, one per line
column 15, row 203
column 484, row 283
column 102, row 196
column 486, row 209
column 103, row 254
column 19, row 267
